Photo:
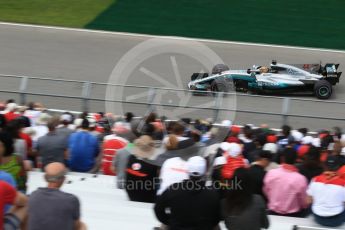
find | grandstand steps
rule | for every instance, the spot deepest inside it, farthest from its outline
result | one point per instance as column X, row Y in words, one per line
column 106, row 207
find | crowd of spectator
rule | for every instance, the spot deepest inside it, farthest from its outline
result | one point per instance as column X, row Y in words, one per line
column 197, row 173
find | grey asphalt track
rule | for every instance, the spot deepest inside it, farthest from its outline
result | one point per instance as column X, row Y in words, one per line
column 88, row 56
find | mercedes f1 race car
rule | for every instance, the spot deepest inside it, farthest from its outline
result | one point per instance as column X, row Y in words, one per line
column 277, row 78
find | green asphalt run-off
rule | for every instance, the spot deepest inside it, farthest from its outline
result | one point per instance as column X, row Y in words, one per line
column 310, row 23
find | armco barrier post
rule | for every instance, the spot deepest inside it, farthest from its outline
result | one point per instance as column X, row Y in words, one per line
column 285, row 110
column 217, row 104
column 150, row 99
column 86, row 95
column 22, row 90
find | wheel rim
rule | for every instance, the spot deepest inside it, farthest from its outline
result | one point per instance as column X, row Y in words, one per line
column 323, row 91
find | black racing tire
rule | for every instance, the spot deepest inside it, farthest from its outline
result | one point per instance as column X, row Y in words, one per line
column 217, row 87
column 219, row 68
column 323, row 89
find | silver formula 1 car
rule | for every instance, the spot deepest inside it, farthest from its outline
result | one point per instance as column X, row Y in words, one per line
column 277, row 78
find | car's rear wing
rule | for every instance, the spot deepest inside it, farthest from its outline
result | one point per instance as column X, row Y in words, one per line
column 330, row 72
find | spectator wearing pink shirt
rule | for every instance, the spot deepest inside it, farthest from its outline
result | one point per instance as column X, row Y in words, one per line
column 285, row 188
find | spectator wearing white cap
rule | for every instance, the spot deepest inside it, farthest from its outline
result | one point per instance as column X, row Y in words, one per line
column 234, row 159
column 273, row 149
column 191, row 204
column 65, row 129
column 33, row 112
column 316, row 142
column 93, row 127
column 226, row 123
column 41, row 128
column 121, row 130
column 173, row 170
column 297, row 137
column 307, row 140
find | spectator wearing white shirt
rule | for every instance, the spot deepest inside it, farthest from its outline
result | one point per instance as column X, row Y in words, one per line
column 326, row 193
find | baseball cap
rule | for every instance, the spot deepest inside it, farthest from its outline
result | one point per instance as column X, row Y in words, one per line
column 11, row 106
column 235, row 129
column 219, row 161
column 66, row 117
column 92, row 122
column 307, row 140
column 342, row 151
column 271, row 138
column 234, row 149
column 271, row 147
column 226, row 123
column 224, row 146
column 78, row 122
column 316, row 142
column 333, row 163
column 297, row 136
column 196, row 166
column 303, row 150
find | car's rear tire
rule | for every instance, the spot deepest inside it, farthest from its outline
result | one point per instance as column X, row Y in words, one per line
column 323, row 89
column 219, row 68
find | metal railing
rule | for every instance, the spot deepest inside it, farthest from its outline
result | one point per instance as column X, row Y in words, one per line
column 86, row 96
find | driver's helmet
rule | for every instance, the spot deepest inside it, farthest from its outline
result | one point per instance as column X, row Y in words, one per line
column 264, row 69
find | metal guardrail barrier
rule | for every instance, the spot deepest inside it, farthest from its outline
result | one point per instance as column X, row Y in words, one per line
column 87, row 86
column 295, row 227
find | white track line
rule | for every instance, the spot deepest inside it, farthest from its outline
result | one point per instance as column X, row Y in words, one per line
column 170, row 37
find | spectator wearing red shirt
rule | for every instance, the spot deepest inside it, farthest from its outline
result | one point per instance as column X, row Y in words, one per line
column 111, row 144
column 234, row 159
column 16, row 216
column 11, row 113
column 233, row 137
column 341, row 172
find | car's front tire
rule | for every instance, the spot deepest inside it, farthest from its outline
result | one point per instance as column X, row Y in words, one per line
column 323, row 89
column 217, row 87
